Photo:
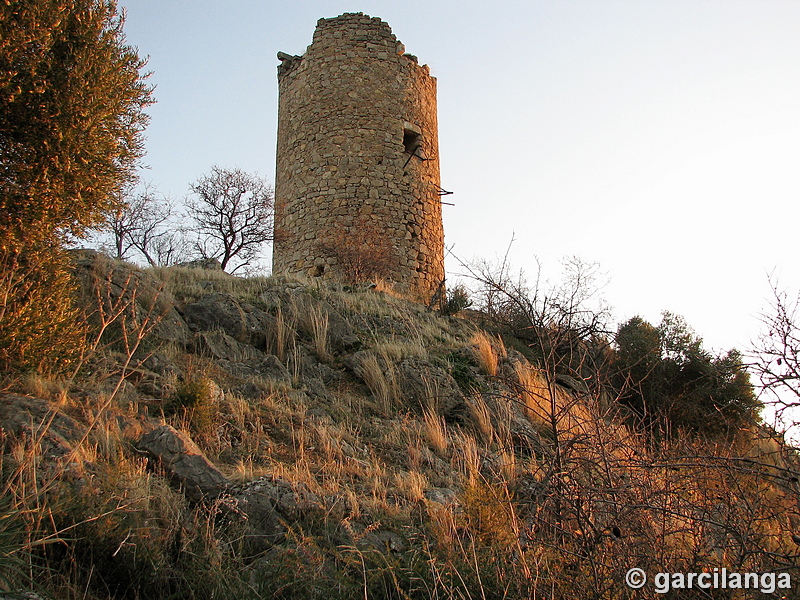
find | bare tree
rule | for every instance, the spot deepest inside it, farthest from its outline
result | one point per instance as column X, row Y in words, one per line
column 233, row 215
column 142, row 224
column 776, row 353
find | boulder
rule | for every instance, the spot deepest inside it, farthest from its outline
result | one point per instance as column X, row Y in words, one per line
column 117, row 283
column 34, row 418
column 445, row 496
column 341, row 335
column 218, row 312
column 185, row 462
column 219, row 345
column 267, row 367
column 383, row 541
column 269, row 503
column 260, row 324
column 426, row 385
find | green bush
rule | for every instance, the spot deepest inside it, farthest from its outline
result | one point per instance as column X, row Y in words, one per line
column 456, row 300
column 673, row 384
column 40, row 326
column 195, row 399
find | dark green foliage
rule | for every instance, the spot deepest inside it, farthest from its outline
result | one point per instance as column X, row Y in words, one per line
column 672, row 383
column 71, row 114
column 71, row 122
column 195, row 399
column 463, row 369
column 13, row 553
column 456, row 300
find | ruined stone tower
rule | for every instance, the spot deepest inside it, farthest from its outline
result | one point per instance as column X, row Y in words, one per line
column 358, row 156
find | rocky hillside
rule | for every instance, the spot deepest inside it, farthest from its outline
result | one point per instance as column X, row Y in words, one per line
column 275, row 438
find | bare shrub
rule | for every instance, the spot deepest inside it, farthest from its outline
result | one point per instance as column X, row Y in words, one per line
column 359, row 253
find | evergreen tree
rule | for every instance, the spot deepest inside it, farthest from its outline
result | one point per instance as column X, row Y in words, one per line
column 72, row 99
column 666, row 376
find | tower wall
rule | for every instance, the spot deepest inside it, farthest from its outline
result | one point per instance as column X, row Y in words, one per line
column 356, row 118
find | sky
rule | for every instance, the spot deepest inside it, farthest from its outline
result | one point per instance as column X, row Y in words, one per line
column 659, row 139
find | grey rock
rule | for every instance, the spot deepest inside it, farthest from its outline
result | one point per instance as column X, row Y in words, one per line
column 572, row 384
column 341, row 334
column 252, row 390
column 219, row 345
column 272, row 368
column 117, row 283
column 444, row 496
column 355, row 362
column 384, row 541
column 426, row 385
column 24, row 416
column 160, row 364
column 311, row 368
column 184, row 460
column 261, row 325
column 218, row 312
column 316, row 389
column 269, row 503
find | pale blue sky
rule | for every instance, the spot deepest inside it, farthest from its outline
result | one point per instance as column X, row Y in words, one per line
column 659, row 138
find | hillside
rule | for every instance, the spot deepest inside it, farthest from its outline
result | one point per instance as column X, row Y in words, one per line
column 286, row 438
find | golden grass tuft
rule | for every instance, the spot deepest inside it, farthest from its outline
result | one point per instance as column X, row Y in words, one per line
column 482, row 417
column 381, row 382
column 435, row 431
column 317, row 326
column 488, row 358
column 412, row 484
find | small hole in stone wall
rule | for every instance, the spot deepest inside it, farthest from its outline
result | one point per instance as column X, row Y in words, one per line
column 319, row 271
column 411, row 141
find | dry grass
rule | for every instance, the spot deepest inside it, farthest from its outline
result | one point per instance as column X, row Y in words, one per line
column 394, row 349
column 533, row 520
column 285, row 334
column 435, row 431
column 381, row 381
column 190, row 284
column 46, row 386
column 412, row 484
column 486, row 354
column 317, row 325
column 467, row 456
column 482, row 417
column 534, row 393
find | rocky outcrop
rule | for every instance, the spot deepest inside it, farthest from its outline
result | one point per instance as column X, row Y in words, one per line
column 184, row 461
column 269, row 504
column 218, row 312
column 426, row 385
column 118, row 284
column 37, row 419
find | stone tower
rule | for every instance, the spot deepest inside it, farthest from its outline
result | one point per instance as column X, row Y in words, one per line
column 358, row 156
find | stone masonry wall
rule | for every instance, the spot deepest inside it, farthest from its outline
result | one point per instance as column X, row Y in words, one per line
column 358, row 153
